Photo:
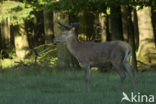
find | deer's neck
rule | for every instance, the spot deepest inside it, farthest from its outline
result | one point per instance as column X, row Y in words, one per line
column 73, row 45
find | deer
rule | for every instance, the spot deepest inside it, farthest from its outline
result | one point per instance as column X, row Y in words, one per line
column 90, row 54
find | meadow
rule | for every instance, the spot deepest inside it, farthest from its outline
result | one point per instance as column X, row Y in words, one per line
column 30, row 62
column 36, row 84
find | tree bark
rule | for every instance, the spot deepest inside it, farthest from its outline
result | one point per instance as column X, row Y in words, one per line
column 38, row 32
column 116, row 24
column 154, row 22
column 5, row 33
column 65, row 59
column 0, row 30
column 128, row 32
column 86, row 28
column 132, row 38
column 135, row 26
column 103, row 24
column 21, row 41
column 48, row 26
column 146, row 35
column 125, row 16
column 0, row 38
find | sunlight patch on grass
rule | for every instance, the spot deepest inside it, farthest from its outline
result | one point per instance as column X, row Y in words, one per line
column 7, row 63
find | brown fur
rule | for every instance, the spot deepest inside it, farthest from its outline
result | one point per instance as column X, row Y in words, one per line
column 97, row 54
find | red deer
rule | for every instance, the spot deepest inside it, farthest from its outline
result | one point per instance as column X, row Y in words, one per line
column 91, row 54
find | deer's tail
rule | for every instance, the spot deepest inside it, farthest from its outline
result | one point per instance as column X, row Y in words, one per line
column 127, row 56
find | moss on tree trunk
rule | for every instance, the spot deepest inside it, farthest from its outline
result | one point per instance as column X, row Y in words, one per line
column 146, row 35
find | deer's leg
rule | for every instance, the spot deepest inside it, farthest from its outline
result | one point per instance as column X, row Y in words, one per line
column 87, row 75
column 121, row 72
column 130, row 73
column 122, row 78
column 86, row 67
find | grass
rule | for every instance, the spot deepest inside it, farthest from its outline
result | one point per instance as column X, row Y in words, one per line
column 44, row 85
column 29, row 83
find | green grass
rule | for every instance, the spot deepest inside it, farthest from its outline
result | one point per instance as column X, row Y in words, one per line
column 43, row 85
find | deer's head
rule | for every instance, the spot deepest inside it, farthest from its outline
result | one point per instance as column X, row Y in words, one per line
column 65, row 35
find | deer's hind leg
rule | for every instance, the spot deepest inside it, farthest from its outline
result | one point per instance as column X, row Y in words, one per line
column 130, row 73
column 120, row 70
column 126, row 63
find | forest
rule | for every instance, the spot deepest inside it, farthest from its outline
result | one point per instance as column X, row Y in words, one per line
column 34, row 70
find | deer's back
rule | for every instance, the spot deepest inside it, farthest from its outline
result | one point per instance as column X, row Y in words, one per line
column 99, row 53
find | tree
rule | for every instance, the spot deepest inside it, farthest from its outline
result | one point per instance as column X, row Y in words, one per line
column 86, row 20
column 103, row 18
column 5, row 33
column 146, row 34
column 48, row 26
column 135, row 26
column 21, row 41
column 132, row 38
column 128, row 31
column 38, row 32
column 154, row 22
column 115, row 23
column 125, row 16
column 65, row 59
column 17, row 12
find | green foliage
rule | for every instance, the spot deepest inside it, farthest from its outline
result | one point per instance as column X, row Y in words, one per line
column 16, row 11
column 75, row 6
column 47, row 54
column 108, row 11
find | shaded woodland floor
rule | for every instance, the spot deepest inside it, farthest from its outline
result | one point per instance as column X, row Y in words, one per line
column 43, row 85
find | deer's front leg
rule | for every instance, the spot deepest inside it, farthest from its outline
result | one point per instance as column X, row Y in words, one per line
column 87, row 75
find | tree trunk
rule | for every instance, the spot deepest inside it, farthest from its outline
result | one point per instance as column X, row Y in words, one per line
column 132, row 38
column 86, row 20
column 0, row 38
column 38, row 32
column 154, row 22
column 21, row 41
column 65, row 59
column 0, row 31
column 125, row 17
column 128, row 31
column 116, row 24
column 146, row 46
column 5, row 33
column 135, row 25
column 48, row 26
column 103, row 25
